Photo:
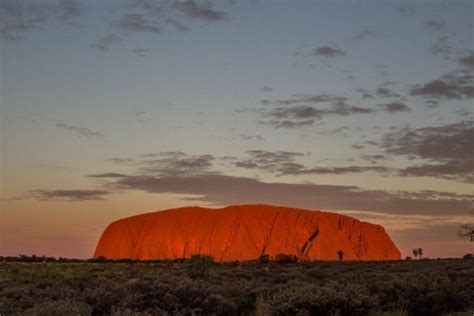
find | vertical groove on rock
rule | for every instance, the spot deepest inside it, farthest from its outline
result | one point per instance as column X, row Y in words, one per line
column 270, row 231
column 231, row 236
column 303, row 253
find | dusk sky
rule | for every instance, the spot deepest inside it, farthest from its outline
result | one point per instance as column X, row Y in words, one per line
column 118, row 107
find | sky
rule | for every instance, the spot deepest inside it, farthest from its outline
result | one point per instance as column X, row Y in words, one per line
column 118, row 107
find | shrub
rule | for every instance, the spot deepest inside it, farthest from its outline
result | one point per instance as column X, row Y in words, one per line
column 264, row 258
column 59, row 308
column 200, row 266
column 284, row 258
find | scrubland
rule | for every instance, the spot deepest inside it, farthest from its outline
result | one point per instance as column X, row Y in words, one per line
column 198, row 286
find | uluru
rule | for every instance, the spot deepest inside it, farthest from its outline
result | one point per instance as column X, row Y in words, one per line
column 245, row 232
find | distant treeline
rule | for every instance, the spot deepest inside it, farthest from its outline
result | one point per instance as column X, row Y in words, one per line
column 279, row 258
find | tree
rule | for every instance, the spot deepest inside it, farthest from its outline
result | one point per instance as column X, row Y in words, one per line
column 340, row 254
column 466, row 231
column 415, row 253
column 420, row 252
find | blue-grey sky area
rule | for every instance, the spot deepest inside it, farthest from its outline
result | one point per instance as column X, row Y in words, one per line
column 114, row 108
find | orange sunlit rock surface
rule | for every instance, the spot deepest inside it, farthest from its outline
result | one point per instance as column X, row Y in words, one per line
column 244, row 233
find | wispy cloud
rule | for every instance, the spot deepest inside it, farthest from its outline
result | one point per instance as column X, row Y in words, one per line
column 225, row 190
column 435, row 24
column 385, row 92
column 203, row 10
column 284, row 163
column 104, row 44
column 328, row 51
column 454, row 85
column 80, row 131
column 447, row 148
column 170, row 163
column 69, row 195
column 366, row 34
column 53, row 168
column 19, row 16
column 467, row 60
column 303, row 110
column 251, row 137
column 139, row 23
column 397, row 106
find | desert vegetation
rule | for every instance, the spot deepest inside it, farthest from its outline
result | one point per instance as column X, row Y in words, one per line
column 198, row 286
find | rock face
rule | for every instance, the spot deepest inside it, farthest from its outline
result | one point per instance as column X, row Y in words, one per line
column 244, row 233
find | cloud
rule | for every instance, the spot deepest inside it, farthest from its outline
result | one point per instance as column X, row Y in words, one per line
column 386, row 93
column 135, row 22
column 108, row 175
column 284, row 163
column 397, row 222
column 121, row 161
column 68, row 9
column 365, row 94
column 301, row 111
column 81, row 131
column 301, row 115
column 169, row 163
column 467, row 60
column 180, row 173
column 458, row 170
column 19, row 16
column 327, row 51
column 53, row 168
column 393, row 107
column 103, row 44
column 251, row 137
column 431, row 104
column 269, row 160
column 9, row 199
column 408, row 11
column 445, row 142
column 375, row 158
column 201, row 11
column 442, row 47
column 69, row 195
column 141, row 52
column 289, row 124
column 225, row 190
column 447, row 149
column 157, row 17
column 457, row 85
column 266, row 89
column 435, row 25
column 338, row 170
column 366, row 34
column 314, row 99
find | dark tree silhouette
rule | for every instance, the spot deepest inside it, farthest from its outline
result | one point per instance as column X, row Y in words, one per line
column 340, row 254
column 420, row 252
column 415, row 253
column 466, row 231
